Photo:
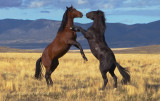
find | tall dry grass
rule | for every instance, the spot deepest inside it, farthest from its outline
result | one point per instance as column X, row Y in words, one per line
column 75, row 79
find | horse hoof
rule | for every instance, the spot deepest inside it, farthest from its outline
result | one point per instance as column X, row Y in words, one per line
column 85, row 59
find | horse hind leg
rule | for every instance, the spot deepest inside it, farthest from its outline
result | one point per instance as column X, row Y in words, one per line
column 105, row 80
column 53, row 66
column 111, row 71
column 103, row 73
column 47, row 75
column 114, row 78
column 104, row 68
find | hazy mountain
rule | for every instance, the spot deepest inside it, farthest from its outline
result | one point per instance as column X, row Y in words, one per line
column 27, row 34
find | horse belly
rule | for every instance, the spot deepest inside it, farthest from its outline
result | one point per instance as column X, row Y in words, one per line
column 62, row 51
column 95, row 52
column 96, row 49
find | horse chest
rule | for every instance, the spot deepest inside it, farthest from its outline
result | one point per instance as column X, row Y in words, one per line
column 74, row 35
column 70, row 35
column 94, row 48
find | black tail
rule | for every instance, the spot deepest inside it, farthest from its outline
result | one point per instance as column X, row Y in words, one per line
column 38, row 72
column 124, row 72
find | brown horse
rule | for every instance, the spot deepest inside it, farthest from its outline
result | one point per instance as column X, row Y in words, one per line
column 59, row 46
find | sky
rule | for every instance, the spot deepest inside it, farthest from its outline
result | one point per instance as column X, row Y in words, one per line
column 116, row 11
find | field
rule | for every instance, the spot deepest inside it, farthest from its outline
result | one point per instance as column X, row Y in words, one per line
column 76, row 80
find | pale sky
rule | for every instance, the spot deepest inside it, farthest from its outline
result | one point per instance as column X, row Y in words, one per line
column 116, row 11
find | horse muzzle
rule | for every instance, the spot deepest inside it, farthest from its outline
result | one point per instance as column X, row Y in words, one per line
column 89, row 16
column 80, row 15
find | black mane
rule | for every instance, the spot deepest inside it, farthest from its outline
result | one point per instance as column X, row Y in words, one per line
column 101, row 24
column 64, row 21
column 103, row 20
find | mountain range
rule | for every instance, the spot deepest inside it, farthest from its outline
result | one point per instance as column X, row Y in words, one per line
column 37, row 34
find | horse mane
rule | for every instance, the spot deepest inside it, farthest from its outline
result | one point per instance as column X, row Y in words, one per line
column 64, row 21
column 101, row 24
column 103, row 21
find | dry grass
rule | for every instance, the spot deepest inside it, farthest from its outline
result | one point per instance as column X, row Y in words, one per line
column 76, row 80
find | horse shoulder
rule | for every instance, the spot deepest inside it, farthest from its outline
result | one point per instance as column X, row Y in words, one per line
column 69, row 35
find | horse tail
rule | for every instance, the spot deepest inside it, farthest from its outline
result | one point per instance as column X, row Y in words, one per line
column 124, row 72
column 38, row 71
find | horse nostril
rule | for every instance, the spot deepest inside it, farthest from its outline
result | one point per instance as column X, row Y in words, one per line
column 81, row 15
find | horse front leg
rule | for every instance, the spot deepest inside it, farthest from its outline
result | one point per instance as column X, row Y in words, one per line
column 80, row 29
column 76, row 44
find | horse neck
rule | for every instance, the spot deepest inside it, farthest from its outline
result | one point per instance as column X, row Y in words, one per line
column 99, row 25
column 66, row 23
column 69, row 23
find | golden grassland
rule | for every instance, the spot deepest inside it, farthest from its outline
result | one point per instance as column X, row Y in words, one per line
column 76, row 80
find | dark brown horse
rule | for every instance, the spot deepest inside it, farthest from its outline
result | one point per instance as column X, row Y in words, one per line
column 100, row 49
column 59, row 46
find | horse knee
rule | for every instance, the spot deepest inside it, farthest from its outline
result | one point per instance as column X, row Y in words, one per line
column 54, row 65
column 104, row 76
column 105, row 81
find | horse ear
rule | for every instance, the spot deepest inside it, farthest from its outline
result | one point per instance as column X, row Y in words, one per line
column 98, row 12
column 71, row 6
column 67, row 7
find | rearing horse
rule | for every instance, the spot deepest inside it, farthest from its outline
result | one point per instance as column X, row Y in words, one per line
column 100, row 49
column 59, row 46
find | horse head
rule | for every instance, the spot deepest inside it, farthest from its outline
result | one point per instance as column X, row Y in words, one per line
column 72, row 12
column 95, row 14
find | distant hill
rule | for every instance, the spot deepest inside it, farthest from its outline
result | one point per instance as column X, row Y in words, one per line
column 37, row 34
column 14, row 50
column 152, row 49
